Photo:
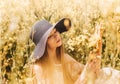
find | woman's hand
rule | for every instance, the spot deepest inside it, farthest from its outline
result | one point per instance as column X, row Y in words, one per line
column 98, row 33
column 92, row 68
column 94, row 59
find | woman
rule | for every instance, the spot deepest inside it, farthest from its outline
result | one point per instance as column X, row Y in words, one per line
column 52, row 65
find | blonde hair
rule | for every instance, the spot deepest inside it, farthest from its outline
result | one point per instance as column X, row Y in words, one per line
column 48, row 70
column 46, row 64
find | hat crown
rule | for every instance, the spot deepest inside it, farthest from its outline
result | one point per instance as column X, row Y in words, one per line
column 38, row 30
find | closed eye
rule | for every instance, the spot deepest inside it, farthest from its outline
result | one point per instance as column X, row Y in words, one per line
column 53, row 33
column 50, row 36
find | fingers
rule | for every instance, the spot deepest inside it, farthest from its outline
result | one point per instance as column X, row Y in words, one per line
column 95, row 64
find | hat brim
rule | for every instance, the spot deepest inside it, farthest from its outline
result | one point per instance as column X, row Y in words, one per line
column 61, row 26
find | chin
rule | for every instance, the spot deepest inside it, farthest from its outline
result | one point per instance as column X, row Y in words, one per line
column 59, row 44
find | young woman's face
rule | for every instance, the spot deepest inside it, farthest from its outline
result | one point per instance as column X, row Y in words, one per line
column 54, row 39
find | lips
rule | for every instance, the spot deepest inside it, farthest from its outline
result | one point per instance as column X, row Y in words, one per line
column 58, row 41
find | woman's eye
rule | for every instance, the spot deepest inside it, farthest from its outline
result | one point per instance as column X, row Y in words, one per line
column 50, row 36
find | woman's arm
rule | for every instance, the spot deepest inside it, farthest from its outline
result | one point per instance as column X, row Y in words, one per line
column 35, row 74
column 74, row 69
column 31, row 79
column 93, row 64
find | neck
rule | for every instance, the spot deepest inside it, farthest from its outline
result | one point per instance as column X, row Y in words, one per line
column 53, row 56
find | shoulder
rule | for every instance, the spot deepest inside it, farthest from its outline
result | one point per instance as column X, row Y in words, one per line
column 67, row 57
column 71, row 60
column 37, row 68
column 37, row 71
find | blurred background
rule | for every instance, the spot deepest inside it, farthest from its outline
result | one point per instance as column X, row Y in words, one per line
column 18, row 16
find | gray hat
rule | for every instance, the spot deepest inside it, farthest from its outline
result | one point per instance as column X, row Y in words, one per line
column 40, row 32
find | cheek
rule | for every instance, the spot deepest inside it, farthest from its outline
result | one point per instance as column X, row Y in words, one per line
column 50, row 43
column 59, row 35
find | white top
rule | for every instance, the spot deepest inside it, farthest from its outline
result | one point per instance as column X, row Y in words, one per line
column 108, row 76
column 57, row 76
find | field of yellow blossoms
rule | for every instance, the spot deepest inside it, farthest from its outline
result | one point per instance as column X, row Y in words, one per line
column 17, row 17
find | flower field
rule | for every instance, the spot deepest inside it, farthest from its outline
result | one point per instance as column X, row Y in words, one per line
column 18, row 16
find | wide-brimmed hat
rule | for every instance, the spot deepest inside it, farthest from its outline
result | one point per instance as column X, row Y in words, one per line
column 40, row 32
